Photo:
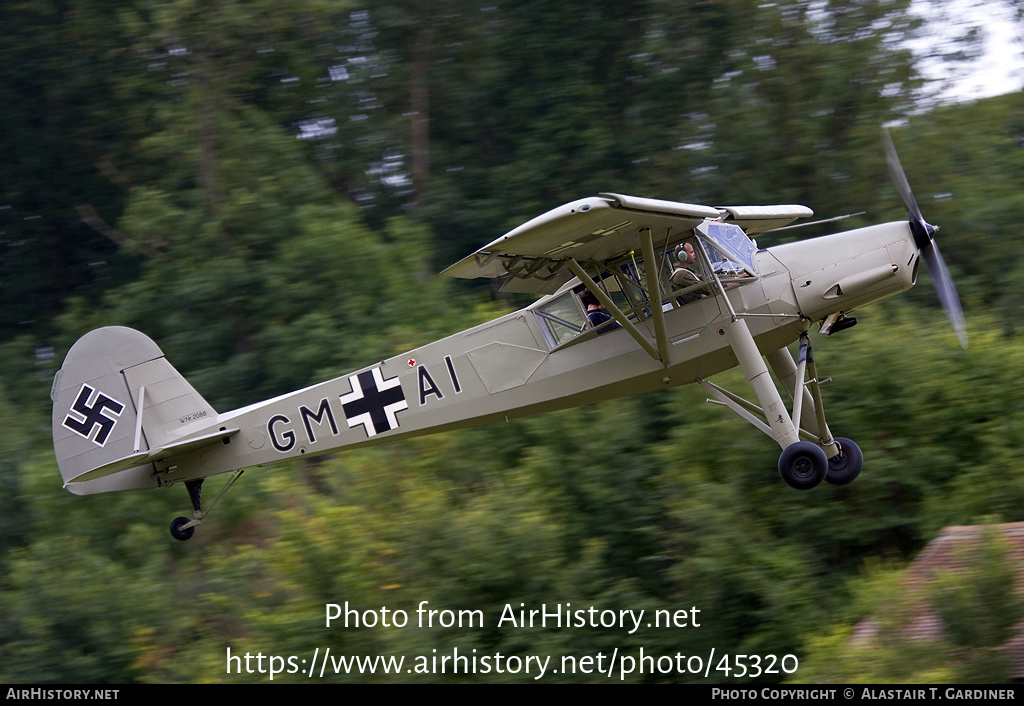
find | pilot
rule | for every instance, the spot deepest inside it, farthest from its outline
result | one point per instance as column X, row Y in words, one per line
column 596, row 312
column 684, row 276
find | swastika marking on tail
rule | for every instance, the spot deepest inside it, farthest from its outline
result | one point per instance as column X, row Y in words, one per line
column 92, row 412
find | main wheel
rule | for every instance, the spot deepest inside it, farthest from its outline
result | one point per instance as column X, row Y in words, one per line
column 181, row 534
column 803, row 465
column 843, row 468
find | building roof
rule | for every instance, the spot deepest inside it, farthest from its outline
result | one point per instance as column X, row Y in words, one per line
column 946, row 554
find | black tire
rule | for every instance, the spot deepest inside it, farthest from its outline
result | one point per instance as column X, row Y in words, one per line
column 803, row 465
column 845, row 467
column 180, row 534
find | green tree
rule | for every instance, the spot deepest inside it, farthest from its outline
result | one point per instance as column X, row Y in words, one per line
column 61, row 131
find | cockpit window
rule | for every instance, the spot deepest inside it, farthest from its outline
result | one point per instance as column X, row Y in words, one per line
column 729, row 249
column 684, row 272
column 563, row 317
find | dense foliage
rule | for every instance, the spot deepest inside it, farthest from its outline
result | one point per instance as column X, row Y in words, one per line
column 266, row 188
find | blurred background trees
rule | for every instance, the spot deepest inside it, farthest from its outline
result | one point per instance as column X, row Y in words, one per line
column 266, row 190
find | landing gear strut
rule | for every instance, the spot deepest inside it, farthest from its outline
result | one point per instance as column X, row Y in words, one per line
column 810, row 454
column 846, row 465
column 183, row 528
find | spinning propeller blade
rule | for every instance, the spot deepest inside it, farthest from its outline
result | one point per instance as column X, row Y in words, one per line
column 924, row 236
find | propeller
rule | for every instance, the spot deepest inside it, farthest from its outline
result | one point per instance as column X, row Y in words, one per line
column 924, row 237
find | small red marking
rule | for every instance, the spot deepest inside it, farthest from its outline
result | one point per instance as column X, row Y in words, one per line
column 412, row 362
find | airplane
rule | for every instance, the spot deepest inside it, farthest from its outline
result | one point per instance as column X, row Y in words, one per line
column 637, row 294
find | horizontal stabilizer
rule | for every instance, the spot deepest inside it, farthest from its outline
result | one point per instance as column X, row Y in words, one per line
column 144, row 457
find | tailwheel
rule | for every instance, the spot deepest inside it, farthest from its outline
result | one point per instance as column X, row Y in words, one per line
column 803, row 465
column 183, row 528
column 180, row 534
column 846, row 465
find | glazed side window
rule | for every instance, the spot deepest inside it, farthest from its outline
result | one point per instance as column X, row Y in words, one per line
column 563, row 318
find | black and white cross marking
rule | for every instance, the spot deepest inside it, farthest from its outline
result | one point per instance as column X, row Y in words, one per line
column 374, row 402
column 93, row 409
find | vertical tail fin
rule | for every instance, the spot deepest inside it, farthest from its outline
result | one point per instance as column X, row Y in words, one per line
column 114, row 400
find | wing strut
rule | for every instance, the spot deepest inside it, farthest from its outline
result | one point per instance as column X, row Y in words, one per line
column 654, row 293
column 615, row 311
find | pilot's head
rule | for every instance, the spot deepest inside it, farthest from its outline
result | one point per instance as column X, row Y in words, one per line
column 685, row 253
column 588, row 298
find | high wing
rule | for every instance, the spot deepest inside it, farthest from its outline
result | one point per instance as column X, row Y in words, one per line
column 532, row 257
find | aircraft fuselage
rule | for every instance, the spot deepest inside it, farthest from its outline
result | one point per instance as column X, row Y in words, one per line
column 506, row 368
